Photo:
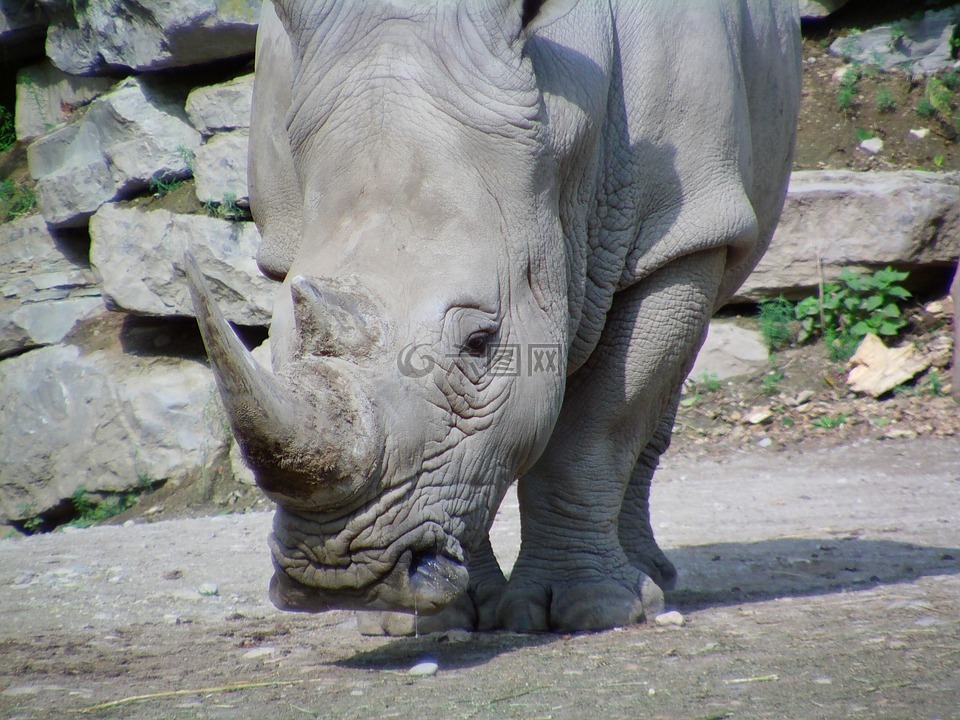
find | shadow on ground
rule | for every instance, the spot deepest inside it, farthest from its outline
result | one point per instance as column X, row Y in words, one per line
column 712, row 575
column 402, row 653
column 732, row 573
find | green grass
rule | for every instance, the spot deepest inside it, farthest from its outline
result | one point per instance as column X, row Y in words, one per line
column 92, row 508
column 161, row 185
column 227, row 209
column 709, row 381
column 776, row 317
column 15, row 200
column 8, row 132
column 830, row 422
column 885, row 101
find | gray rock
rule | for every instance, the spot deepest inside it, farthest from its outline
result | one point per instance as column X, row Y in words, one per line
column 858, row 221
column 125, row 138
column 139, row 35
column 136, row 255
column 46, row 97
column 104, row 420
column 920, row 47
column 220, row 168
column 669, row 619
column 22, row 26
column 816, row 9
column 221, row 107
column 47, row 285
column 730, row 351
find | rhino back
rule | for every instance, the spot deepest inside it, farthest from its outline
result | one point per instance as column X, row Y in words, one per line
column 684, row 117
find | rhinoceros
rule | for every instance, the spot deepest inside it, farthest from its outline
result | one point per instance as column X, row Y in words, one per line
column 501, row 228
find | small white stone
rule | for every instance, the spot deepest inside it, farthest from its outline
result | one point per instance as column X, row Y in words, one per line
column 758, row 415
column 765, row 442
column 129, row 523
column 424, row 669
column 259, row 652
column 872, row 145
column 208, row 589
column 669, row 618
column 920, row 133
column 841, row 73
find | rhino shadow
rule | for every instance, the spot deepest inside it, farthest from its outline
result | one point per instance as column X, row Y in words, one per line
column 722, row 574
column 403, row 653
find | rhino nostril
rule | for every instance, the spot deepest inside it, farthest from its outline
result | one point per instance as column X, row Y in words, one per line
column 436, row 580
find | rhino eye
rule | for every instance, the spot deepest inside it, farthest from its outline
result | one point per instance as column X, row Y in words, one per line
column 478, row 343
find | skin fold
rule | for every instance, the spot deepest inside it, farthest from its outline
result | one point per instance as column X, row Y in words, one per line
column 501, row 229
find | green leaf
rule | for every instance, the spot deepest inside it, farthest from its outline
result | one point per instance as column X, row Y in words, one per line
column 860, row 329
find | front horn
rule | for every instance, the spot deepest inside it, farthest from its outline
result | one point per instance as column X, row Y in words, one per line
column 300, row 458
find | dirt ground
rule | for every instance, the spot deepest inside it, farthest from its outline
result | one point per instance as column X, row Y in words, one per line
column 814, row 584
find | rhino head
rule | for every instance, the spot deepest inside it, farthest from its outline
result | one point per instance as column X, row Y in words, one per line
column 429, row 261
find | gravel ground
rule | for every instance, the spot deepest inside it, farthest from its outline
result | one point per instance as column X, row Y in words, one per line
column 814, row 584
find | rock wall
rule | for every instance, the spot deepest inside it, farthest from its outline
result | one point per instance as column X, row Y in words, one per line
column 103, row 382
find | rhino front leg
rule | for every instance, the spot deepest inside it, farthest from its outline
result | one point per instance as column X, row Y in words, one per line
column 475, row 610
column 573, row 573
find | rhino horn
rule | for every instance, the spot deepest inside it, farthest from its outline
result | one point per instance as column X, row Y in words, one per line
column 298, row 453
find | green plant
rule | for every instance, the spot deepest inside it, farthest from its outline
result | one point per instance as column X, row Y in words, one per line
column 188, row 157
column 924, row 108
column 853, row 306
column 227, row 209
column 886, row 103
column 829, row 422
column 92, row 509
column 8, row 132
column 32, row 525
column 771, row 382
column 939, row 96
column 933, row 384
column 710, row 382
column 863, row 134
column 776, row 318
column 938, row 160
column 897, row 33
column 690, row 400
column 164, row 185
column 846, row 97
column 847, row 92
column 15, row 200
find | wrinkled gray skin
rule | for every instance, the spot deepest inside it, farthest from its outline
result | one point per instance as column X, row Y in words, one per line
column 436, row 181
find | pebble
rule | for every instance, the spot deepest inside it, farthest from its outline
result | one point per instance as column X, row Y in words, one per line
column 921, row 133
column 872, row 145
column 424, row 669
column 672, row 618
column 804, row 396
column 765, row 442
column 208, row 589
column 758, row 415
column 259, row 652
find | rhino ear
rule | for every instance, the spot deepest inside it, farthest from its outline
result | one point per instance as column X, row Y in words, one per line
column 536, row 14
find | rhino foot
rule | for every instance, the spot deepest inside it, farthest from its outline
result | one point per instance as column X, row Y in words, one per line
column 576, row 607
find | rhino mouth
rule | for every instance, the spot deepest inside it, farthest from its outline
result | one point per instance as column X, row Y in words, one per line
column 423, row 580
